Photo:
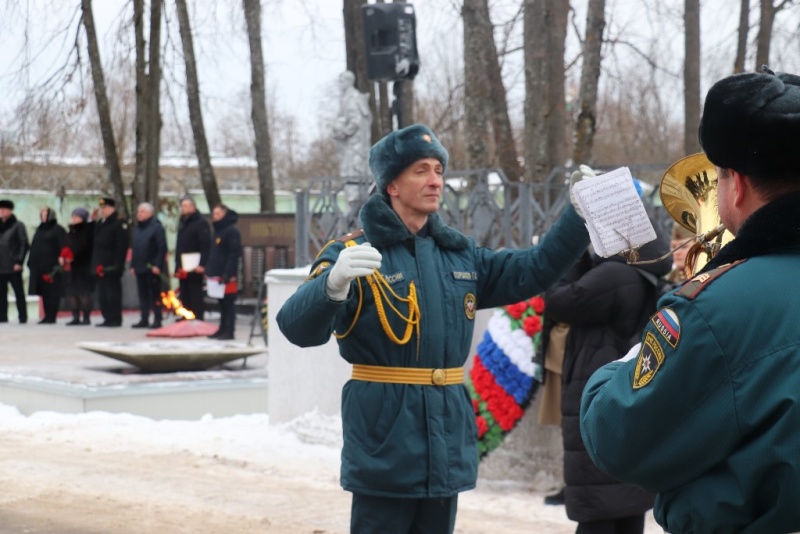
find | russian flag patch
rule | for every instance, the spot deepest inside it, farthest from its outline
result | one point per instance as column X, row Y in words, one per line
column 668, row 325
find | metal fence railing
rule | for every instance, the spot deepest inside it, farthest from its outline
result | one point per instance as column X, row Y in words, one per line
column 481, row 203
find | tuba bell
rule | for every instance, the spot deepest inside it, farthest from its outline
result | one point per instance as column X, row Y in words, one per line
column 689, row 194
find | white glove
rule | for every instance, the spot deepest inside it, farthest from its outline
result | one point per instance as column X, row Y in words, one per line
column 631, row 353
column 583, row 172
column 353, row 262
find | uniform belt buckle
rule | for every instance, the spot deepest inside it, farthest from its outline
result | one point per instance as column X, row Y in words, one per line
column 438, row 377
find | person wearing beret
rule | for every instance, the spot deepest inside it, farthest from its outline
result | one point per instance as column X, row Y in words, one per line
column 78, row 267
column 108, row 261
column 400, row 296
column 705, row 411
column 13, row 249
column 46, row 274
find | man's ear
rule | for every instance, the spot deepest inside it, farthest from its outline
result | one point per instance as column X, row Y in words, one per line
column 742, row 188
column 391, row 189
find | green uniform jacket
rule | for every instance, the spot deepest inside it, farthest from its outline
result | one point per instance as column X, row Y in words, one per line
column 708, row 414
column 412, row 440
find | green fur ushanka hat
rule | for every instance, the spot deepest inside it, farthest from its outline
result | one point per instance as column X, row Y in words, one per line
column 751, row 124
column 399, row 149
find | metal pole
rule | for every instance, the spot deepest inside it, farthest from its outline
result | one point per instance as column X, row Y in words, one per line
column 397, row 103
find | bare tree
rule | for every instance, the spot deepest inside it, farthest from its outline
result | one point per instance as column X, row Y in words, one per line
column 545, row 30
column 153, row 121
column 258, row 95
column 586, row 125
column 103, row 109
column 691, row 76
column 487, row 127
column 142, row 114
column 476, row 86
column 764, row 39
column 741, row 36
column 207, row 177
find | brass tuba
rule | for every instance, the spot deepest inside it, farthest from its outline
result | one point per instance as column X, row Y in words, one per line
column 689, row 194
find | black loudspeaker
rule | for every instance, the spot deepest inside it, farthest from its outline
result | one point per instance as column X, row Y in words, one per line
column 390, row 34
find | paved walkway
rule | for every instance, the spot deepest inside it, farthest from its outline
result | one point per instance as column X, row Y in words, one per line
column 50, row 351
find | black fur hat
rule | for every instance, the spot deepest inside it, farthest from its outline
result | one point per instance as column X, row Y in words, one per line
column 751, row 123
column 8, row 204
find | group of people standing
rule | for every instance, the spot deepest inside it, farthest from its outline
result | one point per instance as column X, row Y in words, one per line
column 89, row 259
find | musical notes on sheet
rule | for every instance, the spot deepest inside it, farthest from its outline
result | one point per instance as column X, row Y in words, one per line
column 614, row 213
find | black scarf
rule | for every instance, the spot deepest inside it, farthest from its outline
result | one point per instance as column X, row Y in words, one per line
column 773, row 227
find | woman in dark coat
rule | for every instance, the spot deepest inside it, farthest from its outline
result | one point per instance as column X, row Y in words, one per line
column 80, row 279
column 606, row 307
column 46, row 277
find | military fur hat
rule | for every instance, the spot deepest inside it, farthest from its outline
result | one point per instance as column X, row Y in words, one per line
column 107, row 201
column 751, row 123
column 392, row 154
column 8, row 204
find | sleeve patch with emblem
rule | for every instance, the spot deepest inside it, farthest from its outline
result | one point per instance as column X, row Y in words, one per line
column 651, row 356
column 668, row 325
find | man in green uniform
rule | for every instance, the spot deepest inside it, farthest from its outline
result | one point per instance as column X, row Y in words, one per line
column 706, row 411
column 401, row 295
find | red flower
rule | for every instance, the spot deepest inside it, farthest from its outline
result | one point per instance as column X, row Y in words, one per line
column 537, row 303
column 180, row 274
column 66, row 253
column 47, row 278
column 532, row 324
column 99, row 271
column 475, row 405
column 483, row 427
column 516, row 310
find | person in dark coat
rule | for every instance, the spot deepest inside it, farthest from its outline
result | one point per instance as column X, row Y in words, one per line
column 13, row 249
column 194, row 236
column 606, row 307
column 148, row 261
column 108, row 261
column 78, row 268
column 223, row 266
column 46, row 273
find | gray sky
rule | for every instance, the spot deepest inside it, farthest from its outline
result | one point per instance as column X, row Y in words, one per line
column 304, row 49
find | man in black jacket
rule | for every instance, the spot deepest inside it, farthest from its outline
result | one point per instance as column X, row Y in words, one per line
column 223, row 265
column 108, row 261
column 13, row 249
column 194, row 237
column 148, row 261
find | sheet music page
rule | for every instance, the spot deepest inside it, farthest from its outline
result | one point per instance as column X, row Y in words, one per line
column 614, row 213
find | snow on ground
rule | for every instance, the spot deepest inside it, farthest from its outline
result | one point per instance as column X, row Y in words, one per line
column 71, row 473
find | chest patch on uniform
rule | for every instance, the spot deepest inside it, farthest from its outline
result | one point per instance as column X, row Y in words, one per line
column 668, row 325
column 218, row 240
column 470, row 306
column 394, row 278
column 465, row 275
column 651, row 356
column 319, row 270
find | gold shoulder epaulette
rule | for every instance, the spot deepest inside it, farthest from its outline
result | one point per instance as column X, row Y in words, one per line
column 693, row 287
column 352, row 235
